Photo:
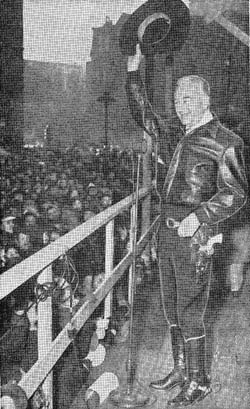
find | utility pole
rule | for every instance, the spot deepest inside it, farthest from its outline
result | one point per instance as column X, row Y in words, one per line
column 106, row 99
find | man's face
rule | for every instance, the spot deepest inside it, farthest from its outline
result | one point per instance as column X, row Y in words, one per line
column 8, row 226
column 30, row 220
column 106, row 201
column 24, row 241
column 54, row 236
column 88, row 214
column 70, row 219
column 62, row 183
column 12, row 253
column 190, row 103
column 77, row 205
column 53, row 213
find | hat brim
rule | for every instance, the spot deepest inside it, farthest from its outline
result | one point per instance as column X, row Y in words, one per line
column 8, row 218
column 178, row 14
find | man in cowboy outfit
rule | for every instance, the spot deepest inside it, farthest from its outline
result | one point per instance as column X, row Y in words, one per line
column 205, row 185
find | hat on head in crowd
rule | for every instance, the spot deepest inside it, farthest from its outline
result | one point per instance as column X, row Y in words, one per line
column 7, row 215
column 31, row 209
column 92, row 189
column 29, row 212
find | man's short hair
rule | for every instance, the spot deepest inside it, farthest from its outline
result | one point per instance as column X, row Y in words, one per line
column 198, row 80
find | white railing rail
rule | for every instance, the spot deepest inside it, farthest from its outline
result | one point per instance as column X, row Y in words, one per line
column 19, row 274
column 40, row 262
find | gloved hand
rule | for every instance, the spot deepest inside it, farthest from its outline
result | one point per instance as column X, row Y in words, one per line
column 134, row 61
column 188, row 226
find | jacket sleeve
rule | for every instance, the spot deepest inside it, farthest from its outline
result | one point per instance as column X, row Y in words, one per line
column 232, row 187
column 140, row 107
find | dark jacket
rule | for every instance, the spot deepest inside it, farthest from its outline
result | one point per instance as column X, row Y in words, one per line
column 206, row 174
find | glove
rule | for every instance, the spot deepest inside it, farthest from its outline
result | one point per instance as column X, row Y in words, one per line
column 188, row 226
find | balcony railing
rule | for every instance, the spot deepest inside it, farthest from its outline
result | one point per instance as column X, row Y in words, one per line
column 49, row 350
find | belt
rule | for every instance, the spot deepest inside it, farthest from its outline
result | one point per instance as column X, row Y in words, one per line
column 172, row 223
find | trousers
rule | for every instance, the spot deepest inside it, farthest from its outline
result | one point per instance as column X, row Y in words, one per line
column 184, row 299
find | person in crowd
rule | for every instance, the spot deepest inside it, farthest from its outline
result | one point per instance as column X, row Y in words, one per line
column 2, row 259
column 53, row 215
column 32, row 228
column 88, row 214
column 121, row 249
column 11, row 256
column 70, row 218
column 54, row 235
column 18, row 196
column 105, row 202
column 77, row 206
column 7, row 228
column 24, row 244
column 205, row 185
column 31, row 205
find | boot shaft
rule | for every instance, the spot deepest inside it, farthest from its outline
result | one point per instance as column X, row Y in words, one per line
column 195, row 350
column 178, row 348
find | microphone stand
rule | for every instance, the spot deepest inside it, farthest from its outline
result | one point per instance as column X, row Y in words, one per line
column 129, row 396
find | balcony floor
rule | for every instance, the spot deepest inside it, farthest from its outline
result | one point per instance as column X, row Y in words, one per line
column 228, row 334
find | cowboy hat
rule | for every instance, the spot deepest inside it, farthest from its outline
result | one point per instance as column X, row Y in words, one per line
column 160, row 26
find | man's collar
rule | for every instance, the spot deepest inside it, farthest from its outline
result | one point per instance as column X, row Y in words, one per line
column 207, row 117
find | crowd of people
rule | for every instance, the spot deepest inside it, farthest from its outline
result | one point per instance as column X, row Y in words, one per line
column 45, row 194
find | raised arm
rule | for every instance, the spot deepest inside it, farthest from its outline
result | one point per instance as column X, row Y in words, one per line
column 140, row 107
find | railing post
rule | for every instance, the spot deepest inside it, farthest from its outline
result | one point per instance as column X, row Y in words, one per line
column 109, row 260
column 44, row 332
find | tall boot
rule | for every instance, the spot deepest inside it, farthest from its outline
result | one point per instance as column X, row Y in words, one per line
column 197, row 385
column 178, row 375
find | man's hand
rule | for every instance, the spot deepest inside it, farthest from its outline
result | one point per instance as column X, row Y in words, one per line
column 134, row 61
column 188, row 226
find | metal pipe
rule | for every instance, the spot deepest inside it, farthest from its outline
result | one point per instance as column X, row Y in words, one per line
column 130, row 361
